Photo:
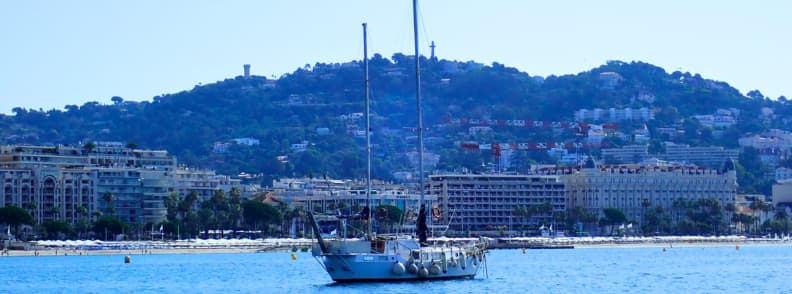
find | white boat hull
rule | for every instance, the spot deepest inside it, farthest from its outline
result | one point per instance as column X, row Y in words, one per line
column 350, row 268
column 398, row 261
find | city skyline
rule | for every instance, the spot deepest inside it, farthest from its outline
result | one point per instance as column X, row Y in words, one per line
column 72, row 53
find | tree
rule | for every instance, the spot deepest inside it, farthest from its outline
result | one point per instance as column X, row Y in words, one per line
column 388, row 215
column 109, row 225
column 758, row 205
column 645, row 203
column 613, row 216
column 743, row 220
column 55, row 229
column 234, row 207
column 15, row 216
column 258, row 214
column 89, row 147
column 117, row 100
column 172, row 206
column 755, row 94
column 730, row 208
column 187, row 204
column 108, row 199
column 783, row 216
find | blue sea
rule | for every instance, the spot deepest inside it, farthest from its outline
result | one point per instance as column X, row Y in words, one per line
column 751, row 269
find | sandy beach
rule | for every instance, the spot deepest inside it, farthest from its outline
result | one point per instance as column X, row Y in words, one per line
column 234, row 246
column 77, row 252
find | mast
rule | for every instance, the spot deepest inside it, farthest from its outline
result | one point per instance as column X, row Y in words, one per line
column 421, row 225
column 418, row 101
column 368, row 130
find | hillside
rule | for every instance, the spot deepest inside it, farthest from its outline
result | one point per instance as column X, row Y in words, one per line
column 317, row 105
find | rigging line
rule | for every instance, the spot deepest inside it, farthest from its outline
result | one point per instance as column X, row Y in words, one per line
column 423, row 26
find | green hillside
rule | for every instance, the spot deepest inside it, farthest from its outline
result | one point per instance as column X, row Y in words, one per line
column 298, row 107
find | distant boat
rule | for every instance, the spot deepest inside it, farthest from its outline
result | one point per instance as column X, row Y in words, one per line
column 395, row 258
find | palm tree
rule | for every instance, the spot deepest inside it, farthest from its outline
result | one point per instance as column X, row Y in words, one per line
column 645, row 203
column 756, row 206
column 783, row 216
column 108, row 199
column 768, row 207
column 730, row 208
column 678, row 205
column 520, row 212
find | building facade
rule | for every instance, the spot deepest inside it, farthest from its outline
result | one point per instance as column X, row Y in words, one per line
column 626, row 154
column 346, row 196
column 633, row 188
column 710, row 157
column 204, row 183
column 486, row 203
column 614, row 114
column 106, row 178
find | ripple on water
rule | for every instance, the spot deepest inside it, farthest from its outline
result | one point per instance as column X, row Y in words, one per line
column 754, row 269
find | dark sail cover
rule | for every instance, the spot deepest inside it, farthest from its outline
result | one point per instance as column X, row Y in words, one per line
column 364, row 214
column 421, row 226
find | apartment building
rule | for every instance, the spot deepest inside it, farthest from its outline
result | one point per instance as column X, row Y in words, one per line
column 204, row 183
column 485, row 203
column 626, row 154
column 710, row 157
column 614, row 114
column 71, row 183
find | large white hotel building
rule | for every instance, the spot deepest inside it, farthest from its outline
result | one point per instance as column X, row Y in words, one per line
column 625, row 187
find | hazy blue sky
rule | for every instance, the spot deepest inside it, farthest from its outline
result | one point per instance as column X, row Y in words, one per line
column 54, row 53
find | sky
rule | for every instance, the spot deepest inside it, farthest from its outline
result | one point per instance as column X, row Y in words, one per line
column 57, row 53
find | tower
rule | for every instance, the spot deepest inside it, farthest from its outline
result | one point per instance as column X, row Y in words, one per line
column 247, row 70
column 433, row 47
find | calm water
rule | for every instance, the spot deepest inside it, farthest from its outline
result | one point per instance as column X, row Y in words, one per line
column 752, row 269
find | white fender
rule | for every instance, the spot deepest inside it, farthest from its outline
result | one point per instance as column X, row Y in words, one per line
column 443, row 262
column 398, row 268
column 412, row 268
column 434, row 269
column 423, row 272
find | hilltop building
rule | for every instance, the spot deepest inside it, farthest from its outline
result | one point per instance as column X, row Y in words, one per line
column 782, row 174
column 614, row 115
column 711, row 157
column 626, row 154
column 772, row 139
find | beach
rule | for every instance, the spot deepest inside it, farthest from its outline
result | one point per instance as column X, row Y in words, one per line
column 232, row 246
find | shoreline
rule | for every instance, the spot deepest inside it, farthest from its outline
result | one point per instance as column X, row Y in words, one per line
column 132, row 248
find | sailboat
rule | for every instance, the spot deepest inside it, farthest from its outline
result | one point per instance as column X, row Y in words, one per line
column 388, row 257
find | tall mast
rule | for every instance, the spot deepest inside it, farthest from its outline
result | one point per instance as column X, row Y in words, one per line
column 368, row 130
column 418, row 102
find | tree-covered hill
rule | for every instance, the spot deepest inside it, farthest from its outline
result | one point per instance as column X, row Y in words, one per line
column 317, row 105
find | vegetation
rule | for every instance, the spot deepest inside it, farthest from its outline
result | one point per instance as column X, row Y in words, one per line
column 289, row 110
column 108, row 226
column 15, row 216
